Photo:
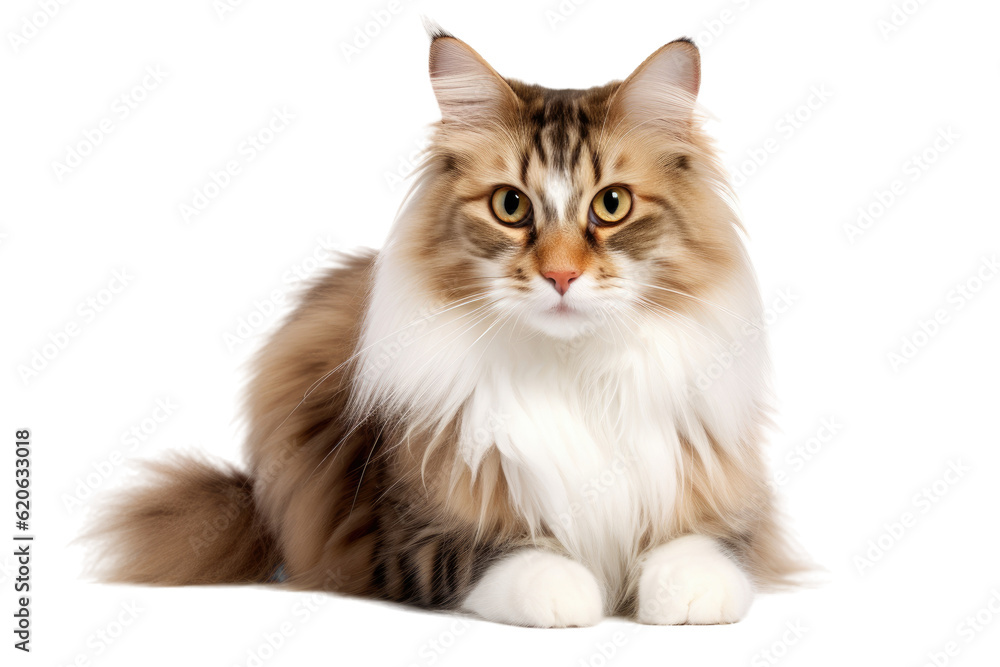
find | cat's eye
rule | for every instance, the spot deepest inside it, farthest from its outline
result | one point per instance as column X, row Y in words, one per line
column 510, row 206
column 611, row 205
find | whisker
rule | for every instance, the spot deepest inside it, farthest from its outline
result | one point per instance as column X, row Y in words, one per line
column 700, row 300
column 454, row 338
column 315, row 385
column 451, row 306
column 722, row 340
column 336, row 446
column 365, row 467
column 682, row 319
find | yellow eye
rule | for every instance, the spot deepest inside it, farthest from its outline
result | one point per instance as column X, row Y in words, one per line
column 510, row 206
column 611, row 205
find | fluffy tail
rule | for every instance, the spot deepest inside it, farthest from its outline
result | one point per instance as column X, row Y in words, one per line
column 189, row 522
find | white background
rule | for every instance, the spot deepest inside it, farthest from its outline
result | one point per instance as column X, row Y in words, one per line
column 869, row 98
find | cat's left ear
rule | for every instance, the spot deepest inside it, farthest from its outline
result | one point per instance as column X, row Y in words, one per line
column 468, row 90
column 665, row 86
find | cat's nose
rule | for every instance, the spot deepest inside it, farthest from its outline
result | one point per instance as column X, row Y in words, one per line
column 561, row 279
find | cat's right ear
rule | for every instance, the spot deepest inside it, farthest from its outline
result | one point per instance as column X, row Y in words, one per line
column 468, row 90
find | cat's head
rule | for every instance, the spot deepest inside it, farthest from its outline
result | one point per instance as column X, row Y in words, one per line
column 570, row 210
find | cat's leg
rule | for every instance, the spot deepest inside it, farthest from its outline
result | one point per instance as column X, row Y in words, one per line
column 537, row 588
column 508, row 582
column 691, row 580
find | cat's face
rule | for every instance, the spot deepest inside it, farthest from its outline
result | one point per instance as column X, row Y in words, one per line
column 572, row 210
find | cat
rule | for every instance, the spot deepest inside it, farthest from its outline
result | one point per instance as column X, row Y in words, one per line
column 542, row 402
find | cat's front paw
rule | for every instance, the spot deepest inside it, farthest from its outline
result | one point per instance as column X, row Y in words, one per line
column 537, row 588
column 689, row 580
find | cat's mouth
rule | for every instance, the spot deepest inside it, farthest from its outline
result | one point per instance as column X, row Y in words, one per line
column 562, row 308
column 562, row 320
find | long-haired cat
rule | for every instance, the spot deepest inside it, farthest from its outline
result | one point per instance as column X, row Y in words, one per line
column 541, row 402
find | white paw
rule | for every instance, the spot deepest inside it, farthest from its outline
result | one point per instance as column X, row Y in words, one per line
column 689, row 580
column 537, row 588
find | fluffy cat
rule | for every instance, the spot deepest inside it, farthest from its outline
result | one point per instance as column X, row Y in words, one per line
column 541, row 402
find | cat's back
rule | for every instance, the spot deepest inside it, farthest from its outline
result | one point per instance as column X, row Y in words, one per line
column 306, row 363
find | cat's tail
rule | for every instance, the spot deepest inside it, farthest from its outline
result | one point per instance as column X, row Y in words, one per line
column 188, row 521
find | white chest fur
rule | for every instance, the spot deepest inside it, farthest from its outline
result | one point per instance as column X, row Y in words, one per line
column 589, row 452
column 589, row 430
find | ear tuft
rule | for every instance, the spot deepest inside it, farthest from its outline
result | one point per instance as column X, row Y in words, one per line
column 434, row 29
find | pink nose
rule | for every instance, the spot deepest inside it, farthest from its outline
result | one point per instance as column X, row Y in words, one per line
column 561, row 279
